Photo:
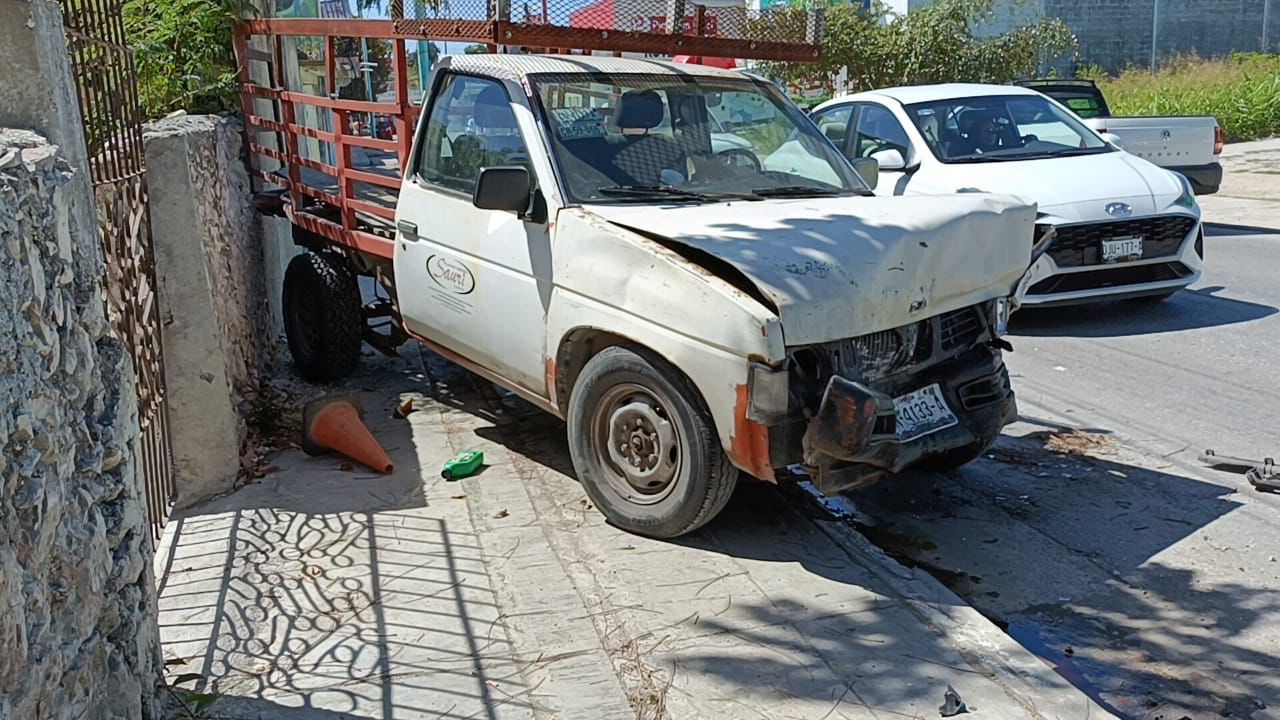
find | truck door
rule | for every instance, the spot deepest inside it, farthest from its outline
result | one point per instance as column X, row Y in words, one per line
column 465, row 276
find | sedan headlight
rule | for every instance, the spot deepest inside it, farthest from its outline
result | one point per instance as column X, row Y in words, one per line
column 1188, row 197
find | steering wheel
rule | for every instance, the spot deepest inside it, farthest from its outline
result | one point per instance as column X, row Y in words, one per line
column 881, row 147
column 739, row 157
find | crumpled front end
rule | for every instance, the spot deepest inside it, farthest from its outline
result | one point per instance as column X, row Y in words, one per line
column 868, row 406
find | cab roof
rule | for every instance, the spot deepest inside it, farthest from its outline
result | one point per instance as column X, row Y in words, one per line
column 909, row 95
column 517, row 67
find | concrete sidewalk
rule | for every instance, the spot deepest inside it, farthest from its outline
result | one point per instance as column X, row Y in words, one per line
column 1251, row 170
column 323, row 593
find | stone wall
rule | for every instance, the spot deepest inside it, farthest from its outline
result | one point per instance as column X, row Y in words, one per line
column 209, row 267
column 78, row 637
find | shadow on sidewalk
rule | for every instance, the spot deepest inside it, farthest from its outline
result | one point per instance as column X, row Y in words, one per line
column 318, row 592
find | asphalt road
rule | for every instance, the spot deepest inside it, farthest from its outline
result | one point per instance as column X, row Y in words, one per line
column 1147, row 579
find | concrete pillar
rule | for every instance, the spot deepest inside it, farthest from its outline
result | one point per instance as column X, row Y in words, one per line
column 209, row 268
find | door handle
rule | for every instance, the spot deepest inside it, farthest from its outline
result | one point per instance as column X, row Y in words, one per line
column 408, row 229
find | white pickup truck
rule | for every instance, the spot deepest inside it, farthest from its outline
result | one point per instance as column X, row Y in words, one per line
column 1186, row 144
column 567, row 229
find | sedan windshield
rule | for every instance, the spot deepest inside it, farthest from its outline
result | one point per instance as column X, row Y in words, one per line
column 999, row 128
column 630, row 137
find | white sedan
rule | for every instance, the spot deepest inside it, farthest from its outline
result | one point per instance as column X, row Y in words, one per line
column 1123, row 228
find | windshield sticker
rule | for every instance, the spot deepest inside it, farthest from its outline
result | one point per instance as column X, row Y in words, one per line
column 578, row 123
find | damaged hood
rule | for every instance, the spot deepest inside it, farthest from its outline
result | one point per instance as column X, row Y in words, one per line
column 841, row 267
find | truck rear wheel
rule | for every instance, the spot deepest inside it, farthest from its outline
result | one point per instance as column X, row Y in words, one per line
column 323, row 317
column 644, row 446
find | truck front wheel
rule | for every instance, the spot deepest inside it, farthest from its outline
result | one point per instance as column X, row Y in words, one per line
column 323, row 317
column 644, row 446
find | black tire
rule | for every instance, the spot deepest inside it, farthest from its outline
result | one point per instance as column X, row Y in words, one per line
column 624, row 387
column 955, row 458
column 323, row 316
column 1153, row 299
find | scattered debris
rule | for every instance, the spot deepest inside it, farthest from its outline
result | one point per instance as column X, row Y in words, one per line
column 191, row 703
column 462, row 496
column 404, row 409
column 335, row 423
column 952, row 704
column 501, row 513
column 1076, row 442
column 1263, row 475
column 272, row 426
column 463, row 464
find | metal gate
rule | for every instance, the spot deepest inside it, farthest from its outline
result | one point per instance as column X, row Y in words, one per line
column 102, row 66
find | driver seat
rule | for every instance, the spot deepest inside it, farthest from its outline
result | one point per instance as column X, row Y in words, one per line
column 644, row 154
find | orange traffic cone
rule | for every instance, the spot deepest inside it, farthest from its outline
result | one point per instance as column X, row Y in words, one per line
column 334, row 423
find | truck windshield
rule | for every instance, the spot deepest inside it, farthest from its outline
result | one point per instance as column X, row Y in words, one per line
column 682, row 138
column 998, row 128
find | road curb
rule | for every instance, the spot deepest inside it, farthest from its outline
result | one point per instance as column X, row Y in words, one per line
column 1023, row 676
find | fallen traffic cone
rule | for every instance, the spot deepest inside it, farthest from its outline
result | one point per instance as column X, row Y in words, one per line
column 334, row 423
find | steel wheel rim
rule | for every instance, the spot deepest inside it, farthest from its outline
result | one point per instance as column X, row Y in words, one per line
column 636, row 443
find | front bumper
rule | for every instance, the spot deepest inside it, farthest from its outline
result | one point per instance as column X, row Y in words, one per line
column 1204, row 179
column 1049, row 283
column 852, row 440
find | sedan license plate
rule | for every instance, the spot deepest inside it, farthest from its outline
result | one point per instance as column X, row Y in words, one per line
column 922, row 412
column 1121, row 248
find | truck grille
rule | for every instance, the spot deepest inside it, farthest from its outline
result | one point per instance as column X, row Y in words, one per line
column 878, row 355
column 1082, row 244
column 960, row 329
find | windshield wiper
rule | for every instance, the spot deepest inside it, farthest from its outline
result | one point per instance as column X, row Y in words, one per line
column 1083, row 151
column 994, row 158
column 1040, row 155
column 667, row 191
column 802, row 191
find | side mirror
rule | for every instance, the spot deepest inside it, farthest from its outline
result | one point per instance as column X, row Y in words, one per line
column 890, row 160
column 1113, row 139
column 869, row 170
column 503, row 188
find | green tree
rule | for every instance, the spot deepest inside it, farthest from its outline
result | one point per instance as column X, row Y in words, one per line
column 475, row 50
column 182, row 53
column 947, row 41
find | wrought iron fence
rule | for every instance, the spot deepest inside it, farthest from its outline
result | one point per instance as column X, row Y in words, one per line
column 102, row 66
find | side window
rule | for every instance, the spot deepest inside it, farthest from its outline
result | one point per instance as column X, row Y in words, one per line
column 471, row 126
column 879, row 130
column 834, row 123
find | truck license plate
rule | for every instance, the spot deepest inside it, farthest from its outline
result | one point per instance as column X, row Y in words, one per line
column 922, row 412
column 1121, row 248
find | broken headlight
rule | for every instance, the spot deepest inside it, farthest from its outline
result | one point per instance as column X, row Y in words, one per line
column 1000, row 311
